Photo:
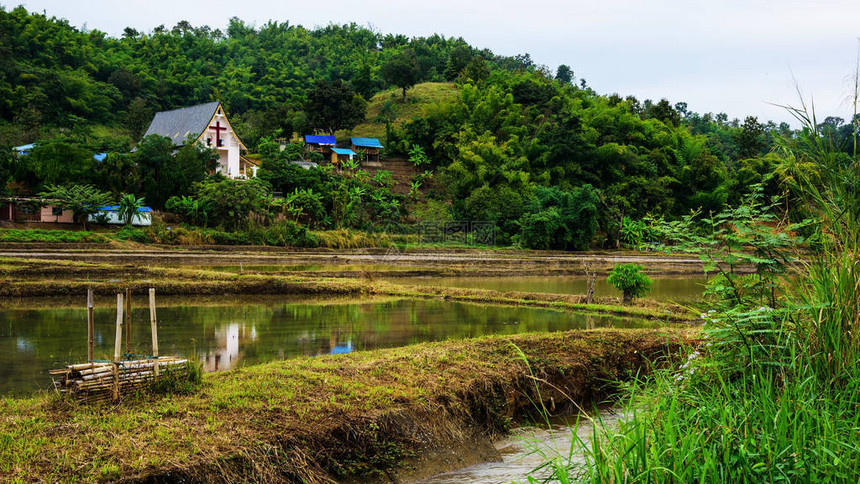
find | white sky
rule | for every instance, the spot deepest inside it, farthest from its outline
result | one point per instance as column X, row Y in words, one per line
column 732, row 56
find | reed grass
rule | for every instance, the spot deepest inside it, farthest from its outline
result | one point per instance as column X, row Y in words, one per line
column 774, row 393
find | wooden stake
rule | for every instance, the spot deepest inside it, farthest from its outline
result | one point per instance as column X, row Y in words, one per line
column 154, row 323
column 90, row 326
column 128, row 320
column 117, row 346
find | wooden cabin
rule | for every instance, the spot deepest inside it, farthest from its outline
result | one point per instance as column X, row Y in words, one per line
column 339, row 155
column 320, row 144
column 371, row 147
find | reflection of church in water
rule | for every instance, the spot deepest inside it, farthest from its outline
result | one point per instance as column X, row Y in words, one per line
column 230, row 338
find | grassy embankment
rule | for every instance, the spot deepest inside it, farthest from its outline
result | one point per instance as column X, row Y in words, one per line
column 34, row 278
column 312, row 420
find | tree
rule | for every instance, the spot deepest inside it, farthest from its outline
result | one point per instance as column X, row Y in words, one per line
column 560, row 220
column 334, row 105
column 128, row 208
column 751, row 139
column 82, row 200
column 476, row 71
column 629, row 279
column 457, row 61
column 564, row 74
column 230, row 202
column 137, row 118
column 401, row 70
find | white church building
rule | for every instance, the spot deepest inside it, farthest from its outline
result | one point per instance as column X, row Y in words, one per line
column 208, row 125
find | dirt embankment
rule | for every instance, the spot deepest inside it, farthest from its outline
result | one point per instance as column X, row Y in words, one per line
column 381, row 416
column 473, row 262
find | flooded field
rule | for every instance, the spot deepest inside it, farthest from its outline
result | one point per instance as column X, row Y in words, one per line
column 682, row 290
column 223, row 333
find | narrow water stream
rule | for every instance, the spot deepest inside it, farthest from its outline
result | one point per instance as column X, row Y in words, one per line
column 527, row 449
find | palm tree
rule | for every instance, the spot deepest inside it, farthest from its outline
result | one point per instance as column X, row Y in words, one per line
column 128, row 205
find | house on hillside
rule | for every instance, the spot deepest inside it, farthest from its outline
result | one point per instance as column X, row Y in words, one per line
column 208, row 125
column 339, row 155
column 320, row 144
column 23, row 150
column 370, row 146
column 109, row 214
column 29, row 209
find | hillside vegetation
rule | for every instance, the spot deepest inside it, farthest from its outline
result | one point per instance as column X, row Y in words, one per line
column 534, row 158
column 387, row 107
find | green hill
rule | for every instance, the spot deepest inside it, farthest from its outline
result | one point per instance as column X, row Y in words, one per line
column 389, row 106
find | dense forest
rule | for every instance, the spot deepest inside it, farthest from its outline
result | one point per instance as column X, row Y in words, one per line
column 536, row 151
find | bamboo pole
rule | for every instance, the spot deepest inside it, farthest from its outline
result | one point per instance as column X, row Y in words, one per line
column 153, row 321
column 128, row 320
column 90, row 326
column 117, row 346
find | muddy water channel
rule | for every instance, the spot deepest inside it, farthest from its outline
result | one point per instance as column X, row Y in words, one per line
column 223, row 333
column 527, row 449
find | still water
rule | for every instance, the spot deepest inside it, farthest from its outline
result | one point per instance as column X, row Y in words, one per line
column 681, row 290
column 228, row 332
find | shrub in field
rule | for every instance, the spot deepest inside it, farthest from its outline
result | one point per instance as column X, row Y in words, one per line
column 629, row 279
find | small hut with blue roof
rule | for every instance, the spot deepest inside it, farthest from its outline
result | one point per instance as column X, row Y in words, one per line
column 370, row 146
column 320, row 144
column 339, row 155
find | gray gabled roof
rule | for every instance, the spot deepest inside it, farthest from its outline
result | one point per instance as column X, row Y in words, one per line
column 180, row 123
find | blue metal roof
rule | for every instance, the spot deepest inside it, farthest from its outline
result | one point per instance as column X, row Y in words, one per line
column 115, row 208
column 100, row 156
column 24, row 149
column 344, row 151
column 366, row 142
column 320, row 140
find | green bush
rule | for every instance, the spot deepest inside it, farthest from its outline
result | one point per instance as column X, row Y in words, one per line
column 629, row 279
column 286, row 233
column 132, row 233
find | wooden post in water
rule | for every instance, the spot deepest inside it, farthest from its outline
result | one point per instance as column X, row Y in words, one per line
column 128, row 320
column 154, row 323
column 117, row 348
column 90, row 326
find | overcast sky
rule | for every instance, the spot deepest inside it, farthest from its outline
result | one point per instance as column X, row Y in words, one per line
column 734, row 56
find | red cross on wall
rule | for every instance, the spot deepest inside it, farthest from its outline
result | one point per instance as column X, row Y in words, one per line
column 218, row 129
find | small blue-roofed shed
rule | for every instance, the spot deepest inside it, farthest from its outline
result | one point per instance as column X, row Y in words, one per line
column 110, row 214
column 339, row 155
column 370, row 146
column 320, row 144
column 24, row 149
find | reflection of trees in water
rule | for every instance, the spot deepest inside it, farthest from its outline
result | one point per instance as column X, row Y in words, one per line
column 33, row 341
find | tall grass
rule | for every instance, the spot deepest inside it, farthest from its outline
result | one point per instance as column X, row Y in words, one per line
column 773, row 393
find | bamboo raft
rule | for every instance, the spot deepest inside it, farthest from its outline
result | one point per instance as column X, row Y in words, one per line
column 100, row 381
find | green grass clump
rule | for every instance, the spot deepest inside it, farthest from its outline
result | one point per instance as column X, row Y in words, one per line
column 182, row 380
